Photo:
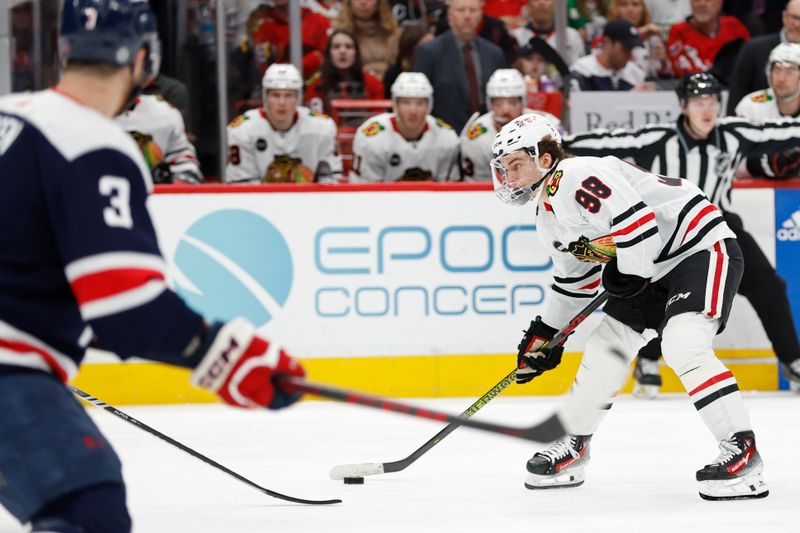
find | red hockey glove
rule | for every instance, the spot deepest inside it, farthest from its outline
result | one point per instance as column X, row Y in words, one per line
column 780, row 165
column 241, row 368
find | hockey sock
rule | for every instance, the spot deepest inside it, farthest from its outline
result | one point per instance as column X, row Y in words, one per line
column 686, row 344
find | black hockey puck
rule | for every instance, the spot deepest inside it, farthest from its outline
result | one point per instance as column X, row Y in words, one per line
column 354, row 481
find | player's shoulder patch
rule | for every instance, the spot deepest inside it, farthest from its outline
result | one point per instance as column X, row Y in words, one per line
column 373, row 128
column 315, row 113
column 238, row 121
column 555, row 181
column 475, row 131
column 442, row 124
column 761, row 96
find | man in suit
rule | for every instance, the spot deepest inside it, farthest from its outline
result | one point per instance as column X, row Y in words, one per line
column 459, row 63
column 749, row 72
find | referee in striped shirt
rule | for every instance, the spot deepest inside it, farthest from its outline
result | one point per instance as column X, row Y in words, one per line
column 706, row 150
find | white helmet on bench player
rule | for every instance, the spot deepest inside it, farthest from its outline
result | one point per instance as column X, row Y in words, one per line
column 784, row 53
column 506, row 82
column 523, row 133
column 412, row 85
column 282, row 76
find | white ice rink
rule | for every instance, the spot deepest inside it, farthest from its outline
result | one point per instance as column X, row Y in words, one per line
column 641, row 478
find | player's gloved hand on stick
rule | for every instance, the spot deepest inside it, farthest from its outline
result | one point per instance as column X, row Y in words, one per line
column 621, row 285
column 532, row 359
column 241, row 367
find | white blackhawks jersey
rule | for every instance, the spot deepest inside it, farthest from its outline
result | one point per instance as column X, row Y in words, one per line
column 654, row 221
column 476, row 144
column 159, row 130
column 759, row 105
column 253, row 145
column 380, row 153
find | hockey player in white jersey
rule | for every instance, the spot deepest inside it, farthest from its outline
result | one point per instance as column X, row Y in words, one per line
column 158, row 129
column 506, row 91
column 407, row 144
column 282, row 142
column 671, row 264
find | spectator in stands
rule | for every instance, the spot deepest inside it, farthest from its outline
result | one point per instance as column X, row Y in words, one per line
column 693, row 44
column 748, row 73
column 507, row 94
column 652, row 57
column 271, row 36
column 341, row 75
column 506, row 10
column 542, row 68
column 375, row 30
column 327, row 8
column 458, row 63
column 408, row 144
column 668, row 12
column 425, row 12
column 588, row 17
column 491, row 29
column 412, row 36
column 281, row 142
column 541, row 17
column 612, row 68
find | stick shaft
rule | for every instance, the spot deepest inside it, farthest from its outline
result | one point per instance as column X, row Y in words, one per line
column 141, row 425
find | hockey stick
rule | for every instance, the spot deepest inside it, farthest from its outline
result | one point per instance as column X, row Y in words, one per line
column 369, row 469
column 141, row 425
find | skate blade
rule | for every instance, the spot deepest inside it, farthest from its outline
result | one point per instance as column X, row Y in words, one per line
column 645, row 392
column 563, row 480
column 747, row 487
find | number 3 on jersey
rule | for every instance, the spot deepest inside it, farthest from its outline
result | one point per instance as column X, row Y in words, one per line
column 593, row 191
column 118, row 190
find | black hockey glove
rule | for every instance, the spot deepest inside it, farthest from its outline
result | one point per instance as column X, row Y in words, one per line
column 161, row 173
column 532, row 359
column 777, row 165
column 621, row 285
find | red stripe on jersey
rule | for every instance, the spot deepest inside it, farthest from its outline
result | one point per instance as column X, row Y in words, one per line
column 22, row 348
column 548, row 207
column 696, row 220
column 641, row 222
column 716, row 379
column 111, row 282
column 717, row 278
column 592, row 285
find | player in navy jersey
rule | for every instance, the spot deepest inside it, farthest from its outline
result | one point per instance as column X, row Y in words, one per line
column 81, row 263
column 671, row 264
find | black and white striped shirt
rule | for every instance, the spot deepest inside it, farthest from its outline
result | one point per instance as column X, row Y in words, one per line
column 667, row 149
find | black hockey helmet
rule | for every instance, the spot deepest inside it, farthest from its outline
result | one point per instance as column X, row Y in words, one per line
column 697, row 84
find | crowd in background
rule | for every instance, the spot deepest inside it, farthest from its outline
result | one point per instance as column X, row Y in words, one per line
column 356, row 49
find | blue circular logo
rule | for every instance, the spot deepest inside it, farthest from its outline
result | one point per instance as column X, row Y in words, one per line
column 234, row 263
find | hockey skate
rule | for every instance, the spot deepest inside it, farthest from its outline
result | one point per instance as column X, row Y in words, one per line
column 647, row 378
column 792, row 373
column 736, row 473
column 561, row 465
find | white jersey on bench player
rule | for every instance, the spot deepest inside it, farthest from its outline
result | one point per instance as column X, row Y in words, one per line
column 407, row 144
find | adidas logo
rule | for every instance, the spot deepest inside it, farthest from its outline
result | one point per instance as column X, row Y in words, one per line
column 790, row 230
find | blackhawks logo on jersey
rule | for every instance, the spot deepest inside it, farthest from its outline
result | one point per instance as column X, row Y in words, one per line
column 442, row 124
column 373, row 129
column 475, row 131
column 762, row 97
column 552, row 189
column 237, row 121
column 315, row 113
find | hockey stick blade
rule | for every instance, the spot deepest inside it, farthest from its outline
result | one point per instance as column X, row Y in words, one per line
column 141, row 425
column 370, row 469
column 546, row 431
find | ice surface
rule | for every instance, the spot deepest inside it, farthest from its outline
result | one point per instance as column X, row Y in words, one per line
column 641, row 477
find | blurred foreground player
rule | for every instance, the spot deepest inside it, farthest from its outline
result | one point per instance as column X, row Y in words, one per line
column 81, row 262
column 282, row 142
column 672, row 264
